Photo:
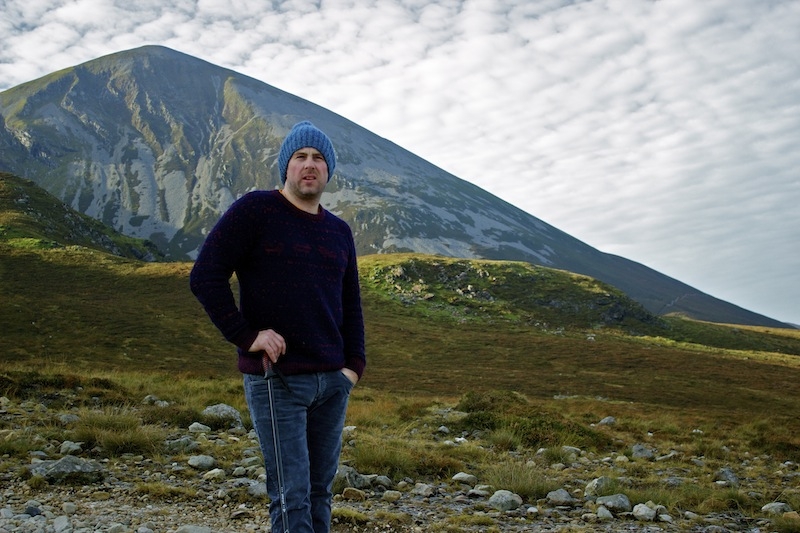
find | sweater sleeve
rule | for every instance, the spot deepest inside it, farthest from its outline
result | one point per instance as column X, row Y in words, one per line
column 224, row 248
column 353, row 329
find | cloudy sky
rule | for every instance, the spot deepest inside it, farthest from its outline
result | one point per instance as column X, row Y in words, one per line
column 664, row 131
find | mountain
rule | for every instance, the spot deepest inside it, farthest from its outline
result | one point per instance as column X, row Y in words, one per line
column 157, row 144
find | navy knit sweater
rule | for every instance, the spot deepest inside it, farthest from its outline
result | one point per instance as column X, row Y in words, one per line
column 297, row 275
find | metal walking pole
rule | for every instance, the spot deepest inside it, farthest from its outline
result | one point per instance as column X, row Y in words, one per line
column 269, row 375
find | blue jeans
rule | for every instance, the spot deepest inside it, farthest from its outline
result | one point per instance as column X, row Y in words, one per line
column 310, row 419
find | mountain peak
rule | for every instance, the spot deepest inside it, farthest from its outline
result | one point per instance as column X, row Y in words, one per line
column 157, row 144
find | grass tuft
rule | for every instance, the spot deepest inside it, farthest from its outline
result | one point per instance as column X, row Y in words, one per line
column 117, row 432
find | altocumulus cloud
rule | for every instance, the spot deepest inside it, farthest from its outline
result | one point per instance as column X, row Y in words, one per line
column 667, row 132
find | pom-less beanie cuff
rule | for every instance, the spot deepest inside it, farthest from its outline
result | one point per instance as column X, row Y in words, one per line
column 305, row 134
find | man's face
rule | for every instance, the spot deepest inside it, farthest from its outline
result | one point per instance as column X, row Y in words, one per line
column 307, row 173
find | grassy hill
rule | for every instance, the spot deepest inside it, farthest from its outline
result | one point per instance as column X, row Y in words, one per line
column 535, row 357
column 435, row 326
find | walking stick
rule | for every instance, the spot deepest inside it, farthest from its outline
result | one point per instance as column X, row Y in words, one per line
column 269, row 374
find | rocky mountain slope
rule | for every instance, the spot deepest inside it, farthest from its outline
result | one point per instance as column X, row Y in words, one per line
column 157, row 144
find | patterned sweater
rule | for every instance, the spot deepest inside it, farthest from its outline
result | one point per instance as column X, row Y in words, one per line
column 297, row 274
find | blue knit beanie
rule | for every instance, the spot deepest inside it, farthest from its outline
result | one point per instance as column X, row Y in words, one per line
column 305, row 134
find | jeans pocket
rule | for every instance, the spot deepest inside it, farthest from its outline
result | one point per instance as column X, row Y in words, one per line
column 349, row 383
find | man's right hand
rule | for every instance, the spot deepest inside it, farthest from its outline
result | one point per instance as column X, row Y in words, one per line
column 270, row 342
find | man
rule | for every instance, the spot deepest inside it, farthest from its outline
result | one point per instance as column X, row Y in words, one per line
column 299, row 312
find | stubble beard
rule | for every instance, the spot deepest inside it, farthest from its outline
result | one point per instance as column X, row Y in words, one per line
column 310, row 192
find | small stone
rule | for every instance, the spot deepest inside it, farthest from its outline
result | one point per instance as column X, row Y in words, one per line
column 391, row 496
column 643, row 513
column 217, row 474
column 62, row 524
column 424, row 490
column 197, row 427
column 504, row 500
column 240, row 514
column 70, row 448
column 224, row 413
column 467, row 479
column 776, row 508
column 31, row 510
column 616, row 503
column 202, row 462
column 560, row 497
column 353, row 494
column 603, row 514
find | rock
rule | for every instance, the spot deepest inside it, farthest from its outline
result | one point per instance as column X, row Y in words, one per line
column 616, row 503
column 351, row 478
column 467, row 479
column 69, row 469
column 424, row 490
column 643, row 513
column 68, row 418
column 70, row 448
column 391, row 496
column 671, row 455
column 505, row 500
column 257, row 490
column 62, row 524
column 640, row 451
column 560, row 497
column 183, row 444
column 241, row 514
column 598, row 486
column 727, row 477
column 776, row 508
column 194, row 529
column 216, row 474
column 608, row 421
column 151, row 399
column 353, row 494
column 603, row 514
column 197, row 427
column 223, row 413
column 32, row 510
column 202, row 462
column 572, row 452
column 382, row 482
column 480, row 491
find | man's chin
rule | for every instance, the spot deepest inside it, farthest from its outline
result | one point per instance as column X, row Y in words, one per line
column 310, row 193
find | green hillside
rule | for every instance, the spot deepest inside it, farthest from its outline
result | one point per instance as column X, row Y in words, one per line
column 435, row 325
column 32, row 218
column 531, row 357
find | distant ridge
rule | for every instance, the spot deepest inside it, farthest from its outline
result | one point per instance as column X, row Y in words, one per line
column 157, row 144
